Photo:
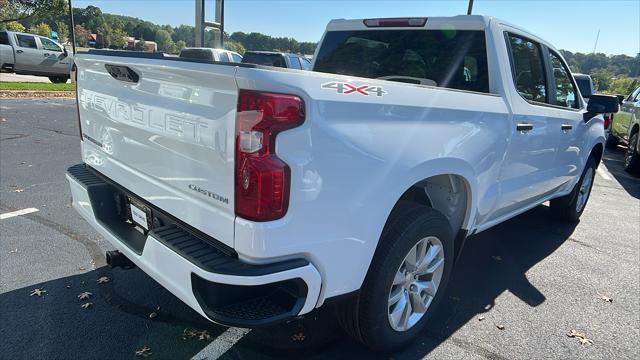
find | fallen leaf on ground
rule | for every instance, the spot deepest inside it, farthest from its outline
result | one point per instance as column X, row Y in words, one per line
column 68, row 286
column 297, row 337
column 500, row 326
column 480, row 318
column 605, row 298
column 581, row 337
column 497, row 258
column 18, row 190
column 87, row 305
column 194, row 333
column 144, row 352
column 13, row 251
column 152, row 315
column 3, row 119
column 102, row 280
column 81, row 268
column 85, row 295
column 38, row 292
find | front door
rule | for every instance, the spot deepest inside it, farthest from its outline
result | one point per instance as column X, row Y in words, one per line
column 54, row 60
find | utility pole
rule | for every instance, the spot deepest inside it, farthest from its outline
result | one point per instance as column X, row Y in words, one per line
column 73, row 29
column 596, row 44
column 202, row 24
column 470, row 8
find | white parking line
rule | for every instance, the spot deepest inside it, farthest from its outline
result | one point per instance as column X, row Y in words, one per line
column 17, row 213
column 602, row 171
column 221, row 344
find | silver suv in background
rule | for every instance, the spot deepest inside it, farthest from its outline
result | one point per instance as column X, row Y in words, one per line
column 277, row 59
column 29, row 54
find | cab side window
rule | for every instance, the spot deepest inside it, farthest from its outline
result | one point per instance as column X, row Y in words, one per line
column 565, row 91
column 528, row 68
column 4, row 38
column 26, row 41
column 49, row 45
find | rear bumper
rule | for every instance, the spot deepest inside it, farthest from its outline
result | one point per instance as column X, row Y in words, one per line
column 207, row 277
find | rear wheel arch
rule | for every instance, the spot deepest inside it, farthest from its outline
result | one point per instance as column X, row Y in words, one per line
column 596, row 152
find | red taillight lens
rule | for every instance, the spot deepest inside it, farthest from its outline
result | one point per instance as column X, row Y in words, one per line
column 74, row 79
column 607, row 120
column 261, row 179
column 395, row 22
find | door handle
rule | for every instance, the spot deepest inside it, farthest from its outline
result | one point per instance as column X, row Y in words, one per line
column 19, row 51
column 566, row 127
column 524, row 127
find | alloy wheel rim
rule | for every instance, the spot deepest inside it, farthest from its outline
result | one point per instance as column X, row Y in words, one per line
column 415, row 283
column 585, row 190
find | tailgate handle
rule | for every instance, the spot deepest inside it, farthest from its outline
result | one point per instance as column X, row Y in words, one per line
column 122, row 73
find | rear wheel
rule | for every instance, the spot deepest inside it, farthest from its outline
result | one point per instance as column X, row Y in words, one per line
column 570, row 207
column 58, row 79
column 632, row 157
column 406, row 280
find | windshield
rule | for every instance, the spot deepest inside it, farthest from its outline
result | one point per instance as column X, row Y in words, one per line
column 584, row 84
column 445, row 58
column 276, row 60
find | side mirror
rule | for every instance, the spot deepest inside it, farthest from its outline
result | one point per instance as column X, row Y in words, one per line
column 601, row 104
column 621, row 99
column 65, row 52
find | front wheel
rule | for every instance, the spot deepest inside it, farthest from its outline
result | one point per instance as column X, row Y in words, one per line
column 406, row 280
column 570, row 207
column 632, row 157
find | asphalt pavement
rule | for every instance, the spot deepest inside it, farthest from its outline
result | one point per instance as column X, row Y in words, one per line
column 516, row 293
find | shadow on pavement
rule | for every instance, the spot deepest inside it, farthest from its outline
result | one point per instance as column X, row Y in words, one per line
column 55, row 326
column 493, row 262
column 614, row 161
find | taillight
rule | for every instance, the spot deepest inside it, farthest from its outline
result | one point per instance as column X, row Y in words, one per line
column 262, row 180
column 74, row 79
column 607, row 120
column 395, row 22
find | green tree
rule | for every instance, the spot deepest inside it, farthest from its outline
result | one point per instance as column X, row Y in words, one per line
column 17, row 10
column 180, row 44
column 41, row 29
column 164, row 41
column 140, row 45
column 234, row 46
column 63, row 31
column 14, row 26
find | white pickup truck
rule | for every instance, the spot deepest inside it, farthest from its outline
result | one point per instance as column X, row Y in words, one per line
column 258, row 194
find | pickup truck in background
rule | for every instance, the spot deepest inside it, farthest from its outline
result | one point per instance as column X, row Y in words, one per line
column 256, row 194
column 626, row 128
column 277, row 59
column 210, row 54
column 29, row 54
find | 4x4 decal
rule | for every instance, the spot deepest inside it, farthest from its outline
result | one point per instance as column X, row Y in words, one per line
column 343, row 88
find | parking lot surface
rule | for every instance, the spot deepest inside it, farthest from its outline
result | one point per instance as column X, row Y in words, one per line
column 516, row 293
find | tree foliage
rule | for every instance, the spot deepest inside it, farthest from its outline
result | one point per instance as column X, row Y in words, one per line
column 17, row 10
column 611, row 74
column 14, row 26
column 41, row 29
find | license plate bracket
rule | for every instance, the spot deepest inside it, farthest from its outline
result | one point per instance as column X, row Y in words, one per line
column 139, row 214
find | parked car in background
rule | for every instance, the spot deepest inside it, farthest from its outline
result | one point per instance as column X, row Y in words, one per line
column 277, row 59
column 585, row 84
column 29, row 54
column 625, row 128
column 210, row 54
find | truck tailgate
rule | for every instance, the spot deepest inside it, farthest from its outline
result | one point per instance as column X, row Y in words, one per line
column 167, row 137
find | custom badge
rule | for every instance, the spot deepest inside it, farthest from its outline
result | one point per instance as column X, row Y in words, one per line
column 343, row 88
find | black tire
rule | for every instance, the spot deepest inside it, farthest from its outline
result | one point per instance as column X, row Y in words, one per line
column 612, row 142
column 632, row 157
column 566, row 208
column 58, row 79
column 365, row 317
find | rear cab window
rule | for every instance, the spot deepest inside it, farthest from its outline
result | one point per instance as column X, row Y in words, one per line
column 197, row 54
column 444, row 58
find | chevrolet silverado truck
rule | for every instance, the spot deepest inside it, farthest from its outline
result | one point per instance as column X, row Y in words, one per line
column 257, row 194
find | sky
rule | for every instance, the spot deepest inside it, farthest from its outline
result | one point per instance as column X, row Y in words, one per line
column 567, row 24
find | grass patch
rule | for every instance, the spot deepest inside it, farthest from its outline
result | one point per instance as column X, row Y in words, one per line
column 36, row 86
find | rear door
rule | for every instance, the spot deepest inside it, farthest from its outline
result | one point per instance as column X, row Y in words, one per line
column 27, row 54
column 529, row 171
column 164, row 130
column 54, row 59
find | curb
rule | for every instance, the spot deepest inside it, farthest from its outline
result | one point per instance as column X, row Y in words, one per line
column 7, row 94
